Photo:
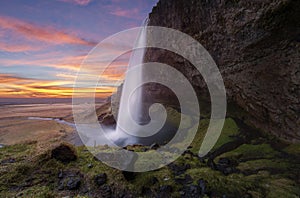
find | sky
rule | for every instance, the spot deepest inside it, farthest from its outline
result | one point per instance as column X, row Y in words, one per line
column 42, row 43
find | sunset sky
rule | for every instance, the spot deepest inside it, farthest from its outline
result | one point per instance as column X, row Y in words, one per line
column 42, row 43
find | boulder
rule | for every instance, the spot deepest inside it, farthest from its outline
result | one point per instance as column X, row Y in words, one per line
column 64, row 153
column 100, row 179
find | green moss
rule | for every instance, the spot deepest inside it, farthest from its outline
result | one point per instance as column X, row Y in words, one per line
column 269, row 172
column 263, row 164
column 174, row 118
column 249, row 151
column 233, row 185
column 293, row 149
column 85, row 158
column 17, row 151
column 163, row 175
column 236, row 185
column 228, row 134
column 281, row 187
column 38, row 192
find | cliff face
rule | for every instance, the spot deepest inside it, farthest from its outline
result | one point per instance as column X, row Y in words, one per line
column 256, row 45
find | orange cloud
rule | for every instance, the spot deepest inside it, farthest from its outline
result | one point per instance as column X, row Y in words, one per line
column 71, row 63
column 44, row 34
column 12, row 86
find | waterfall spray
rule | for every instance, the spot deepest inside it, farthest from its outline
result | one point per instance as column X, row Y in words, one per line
column 131, row 102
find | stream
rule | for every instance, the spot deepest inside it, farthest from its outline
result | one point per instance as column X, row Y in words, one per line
column 72, row 138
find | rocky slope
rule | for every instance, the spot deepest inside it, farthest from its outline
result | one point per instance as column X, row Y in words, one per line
column 243, row 163
column 256, row 47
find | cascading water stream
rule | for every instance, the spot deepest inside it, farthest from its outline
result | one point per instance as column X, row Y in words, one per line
column 131, row 101
column 133, row 105
column 139, row 122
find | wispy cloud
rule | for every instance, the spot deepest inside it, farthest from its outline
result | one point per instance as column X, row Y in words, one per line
column 128, row 13
column 40, row 33
column 17, row 47
column 78, row 2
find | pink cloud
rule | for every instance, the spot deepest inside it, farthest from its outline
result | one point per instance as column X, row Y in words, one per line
column 78, row 2
column 40, row 33
column 17, row 47
column 132, row 13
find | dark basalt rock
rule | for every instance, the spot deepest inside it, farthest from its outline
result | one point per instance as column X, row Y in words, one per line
column 69, row 180
column 64, row 153
column 129, row 176
column 202, row 186
column 153, row 180
column 8, row 161
column 100, row 179
column 107, row 120
column 179, row 169
column 73, row 183
column 256, row 48
column 226, row 166
column 154, row 146
column 165, row 191
column 187, row 179
column 106, row 191
column 192, row 191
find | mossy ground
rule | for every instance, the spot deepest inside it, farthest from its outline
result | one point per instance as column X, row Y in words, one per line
column 263, row 170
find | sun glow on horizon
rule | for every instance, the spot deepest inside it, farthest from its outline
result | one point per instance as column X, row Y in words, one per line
column 41, row 53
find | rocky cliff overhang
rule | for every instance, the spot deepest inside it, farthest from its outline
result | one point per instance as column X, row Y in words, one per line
column 256, row 45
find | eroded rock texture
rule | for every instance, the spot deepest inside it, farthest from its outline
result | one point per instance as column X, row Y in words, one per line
column 256, row 45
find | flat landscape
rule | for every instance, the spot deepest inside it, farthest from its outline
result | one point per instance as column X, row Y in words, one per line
column 20, row 123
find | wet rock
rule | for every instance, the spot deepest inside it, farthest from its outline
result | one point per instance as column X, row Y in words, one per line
column 179, row 169
column 188, row 154
column 60, row 174
column 201, row 159
column 69, row 180
column 247, row 195
column 154, row 146
column 192, row 191
column 165, row 190
column 61, row 185
column 64, row 153
column 211, row 164
column 100, row 179
column 129, row 176
column 73, row 183
column 8, row 161
column 146, row 191
column 202, row 186
column 105, row 191
column 20, row 194
column 252, row 58
column 226, row 166
column 187, row 179
column 224, row 161
column 144, row 149
column 153, row 180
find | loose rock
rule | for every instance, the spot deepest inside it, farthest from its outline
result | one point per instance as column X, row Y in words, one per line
column 100, row 179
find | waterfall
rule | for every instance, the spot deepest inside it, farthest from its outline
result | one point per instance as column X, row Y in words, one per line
column 135, row 103
column 131, row 101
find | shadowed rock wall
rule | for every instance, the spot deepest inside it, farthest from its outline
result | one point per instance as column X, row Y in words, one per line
column 256, row 45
